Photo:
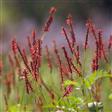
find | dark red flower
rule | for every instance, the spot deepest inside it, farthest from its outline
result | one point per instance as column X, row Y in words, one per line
column 68, row 90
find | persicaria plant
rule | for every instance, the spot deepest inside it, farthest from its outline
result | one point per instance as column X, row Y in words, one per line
column 67, row 79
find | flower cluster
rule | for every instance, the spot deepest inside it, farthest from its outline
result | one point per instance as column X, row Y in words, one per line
column 67, row 59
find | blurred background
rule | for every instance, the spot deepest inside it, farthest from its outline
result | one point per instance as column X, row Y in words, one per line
column 20, row 17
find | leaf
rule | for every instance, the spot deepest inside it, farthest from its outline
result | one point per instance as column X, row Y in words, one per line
column 91, row 79
column 110, row 96
column 19, row 108
column 15, row 108
column 69, row 82
column 77, row 100
column 49, row 106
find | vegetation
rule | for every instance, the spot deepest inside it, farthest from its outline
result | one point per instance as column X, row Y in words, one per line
column 71, row 78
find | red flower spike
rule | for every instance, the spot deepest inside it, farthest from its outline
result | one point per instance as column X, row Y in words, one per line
column 68, row 90
column 33, row 37
column 110, row 42
column 36, row 54
column 50, row 19
column 65, row 70
column 101, row 46
column 92, row 28
column 78, row 54
column 67, row 58
column 28, row 85
column 87, row 34
column 59, row 60
column 38, row 48
column 17, row 61
column 11, row 60
column 94, row 65
column 52, row 10
column 69, row 20
column 67, row 40
column 48, row 58
column 48, row 23
column 29, row 42
column 14, row 46
column 25, row 56
column 1, row 66
column 26, row 64
column 75, row 68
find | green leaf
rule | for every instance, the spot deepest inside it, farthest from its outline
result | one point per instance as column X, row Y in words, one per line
column 49, row 106
column 110, row 96
column 69, row 82
column 19, row 108
column 77, row 100
column 91, row 79
column 15, row 108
